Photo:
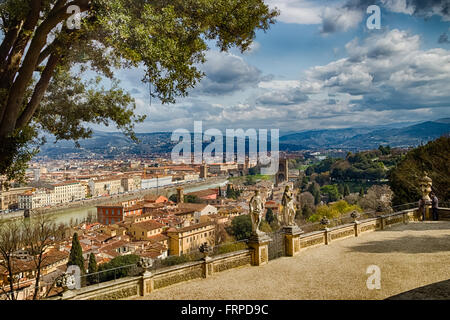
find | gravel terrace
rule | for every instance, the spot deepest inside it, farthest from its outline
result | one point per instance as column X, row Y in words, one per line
column 412, row 256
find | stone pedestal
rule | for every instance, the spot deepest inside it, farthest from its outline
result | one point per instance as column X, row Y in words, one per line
column 260, row 245
column 292, row 236
column 207, row 267
column 147, row 283
column 428, row 212
column 327, row 236
column 382, row 222
column 357, row 228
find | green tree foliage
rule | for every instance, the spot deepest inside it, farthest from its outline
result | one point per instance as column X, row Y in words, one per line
column 360, row 166
column 232, row 193
column 117, row 267
column 189, row 198
column 432, row 158
column 265, row 227
column 309, row 171
column 231, row 247
column 322, row 166
column 76, row 254
column 269, row 215
column 45, row 65
column 346, row 190
column 385, row 150
column 241, row 227
column 304, row 183
column 173, row 198
column 314, row 189
column 333, row 211
column 92, row 268
column 307, row 212
column 331, row 191
column 361, row 192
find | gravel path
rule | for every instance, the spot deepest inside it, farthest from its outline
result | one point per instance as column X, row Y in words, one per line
column 409, row 256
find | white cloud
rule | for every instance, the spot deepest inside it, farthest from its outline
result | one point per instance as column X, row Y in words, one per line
column 298, row 11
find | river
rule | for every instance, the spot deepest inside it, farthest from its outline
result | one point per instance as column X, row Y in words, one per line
column 79, row 214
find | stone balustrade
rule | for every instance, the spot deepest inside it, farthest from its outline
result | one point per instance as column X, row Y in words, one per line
column 295, row 242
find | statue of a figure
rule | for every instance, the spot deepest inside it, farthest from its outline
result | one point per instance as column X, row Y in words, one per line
column 288, row 214
column 256, row 210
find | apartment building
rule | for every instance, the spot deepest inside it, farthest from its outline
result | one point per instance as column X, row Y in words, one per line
column 189, row 239
column 35, row 199
column 131, row 183
column 148, row 182
column 145, row 230
column 67, row 191
column 105, row 187
column 110, row 214
column 9, row 199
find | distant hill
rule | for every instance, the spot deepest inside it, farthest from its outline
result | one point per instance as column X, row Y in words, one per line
column 368, row 138
column 115, row 143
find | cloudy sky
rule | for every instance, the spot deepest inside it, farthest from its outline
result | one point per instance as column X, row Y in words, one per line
column 320, row 67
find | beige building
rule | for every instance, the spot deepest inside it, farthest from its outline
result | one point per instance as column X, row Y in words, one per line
column 189, row 239
column 197, row 210
column 131, row 183
column 67, row 191
column 105, row 187
column 222, row 168
column 9, row 199
column 145, row 230
column 35, row 199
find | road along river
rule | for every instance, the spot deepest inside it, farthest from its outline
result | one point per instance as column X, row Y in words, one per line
column 81, row 212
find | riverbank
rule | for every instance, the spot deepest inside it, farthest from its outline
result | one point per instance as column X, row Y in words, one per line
column 80, row 209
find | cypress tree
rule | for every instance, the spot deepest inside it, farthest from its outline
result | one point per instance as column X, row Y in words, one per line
column 92, row 268
column 346, row 190
column 269, row 216
column 317, row 197
column 76, row 254
column 361, row 192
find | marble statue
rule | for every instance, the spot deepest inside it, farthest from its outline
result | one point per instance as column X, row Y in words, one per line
column 288, row 213
column 256, row 210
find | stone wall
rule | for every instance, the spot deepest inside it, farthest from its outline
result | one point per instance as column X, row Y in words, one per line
column 143, row 285
column 444, row 214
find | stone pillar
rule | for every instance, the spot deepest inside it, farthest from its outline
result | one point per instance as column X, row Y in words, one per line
column 327, row 236
column 207, row 267
column 292, row 237
column 147, row 283
column 382, row 222
column 357, row 228
column 180, row 195
column 428, row 212
column 260, row 245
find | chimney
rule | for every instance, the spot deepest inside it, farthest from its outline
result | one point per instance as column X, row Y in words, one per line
column 180, row 195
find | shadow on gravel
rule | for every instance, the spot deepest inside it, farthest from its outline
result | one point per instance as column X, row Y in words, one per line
column 420, row 243
column 435, row 291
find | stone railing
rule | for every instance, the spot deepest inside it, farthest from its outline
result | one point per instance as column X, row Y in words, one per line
column 295, row 242
column 148, row 282
column 328, row 235
column 444, row 214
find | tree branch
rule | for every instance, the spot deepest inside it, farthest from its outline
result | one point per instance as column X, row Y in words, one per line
column 25, row 73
